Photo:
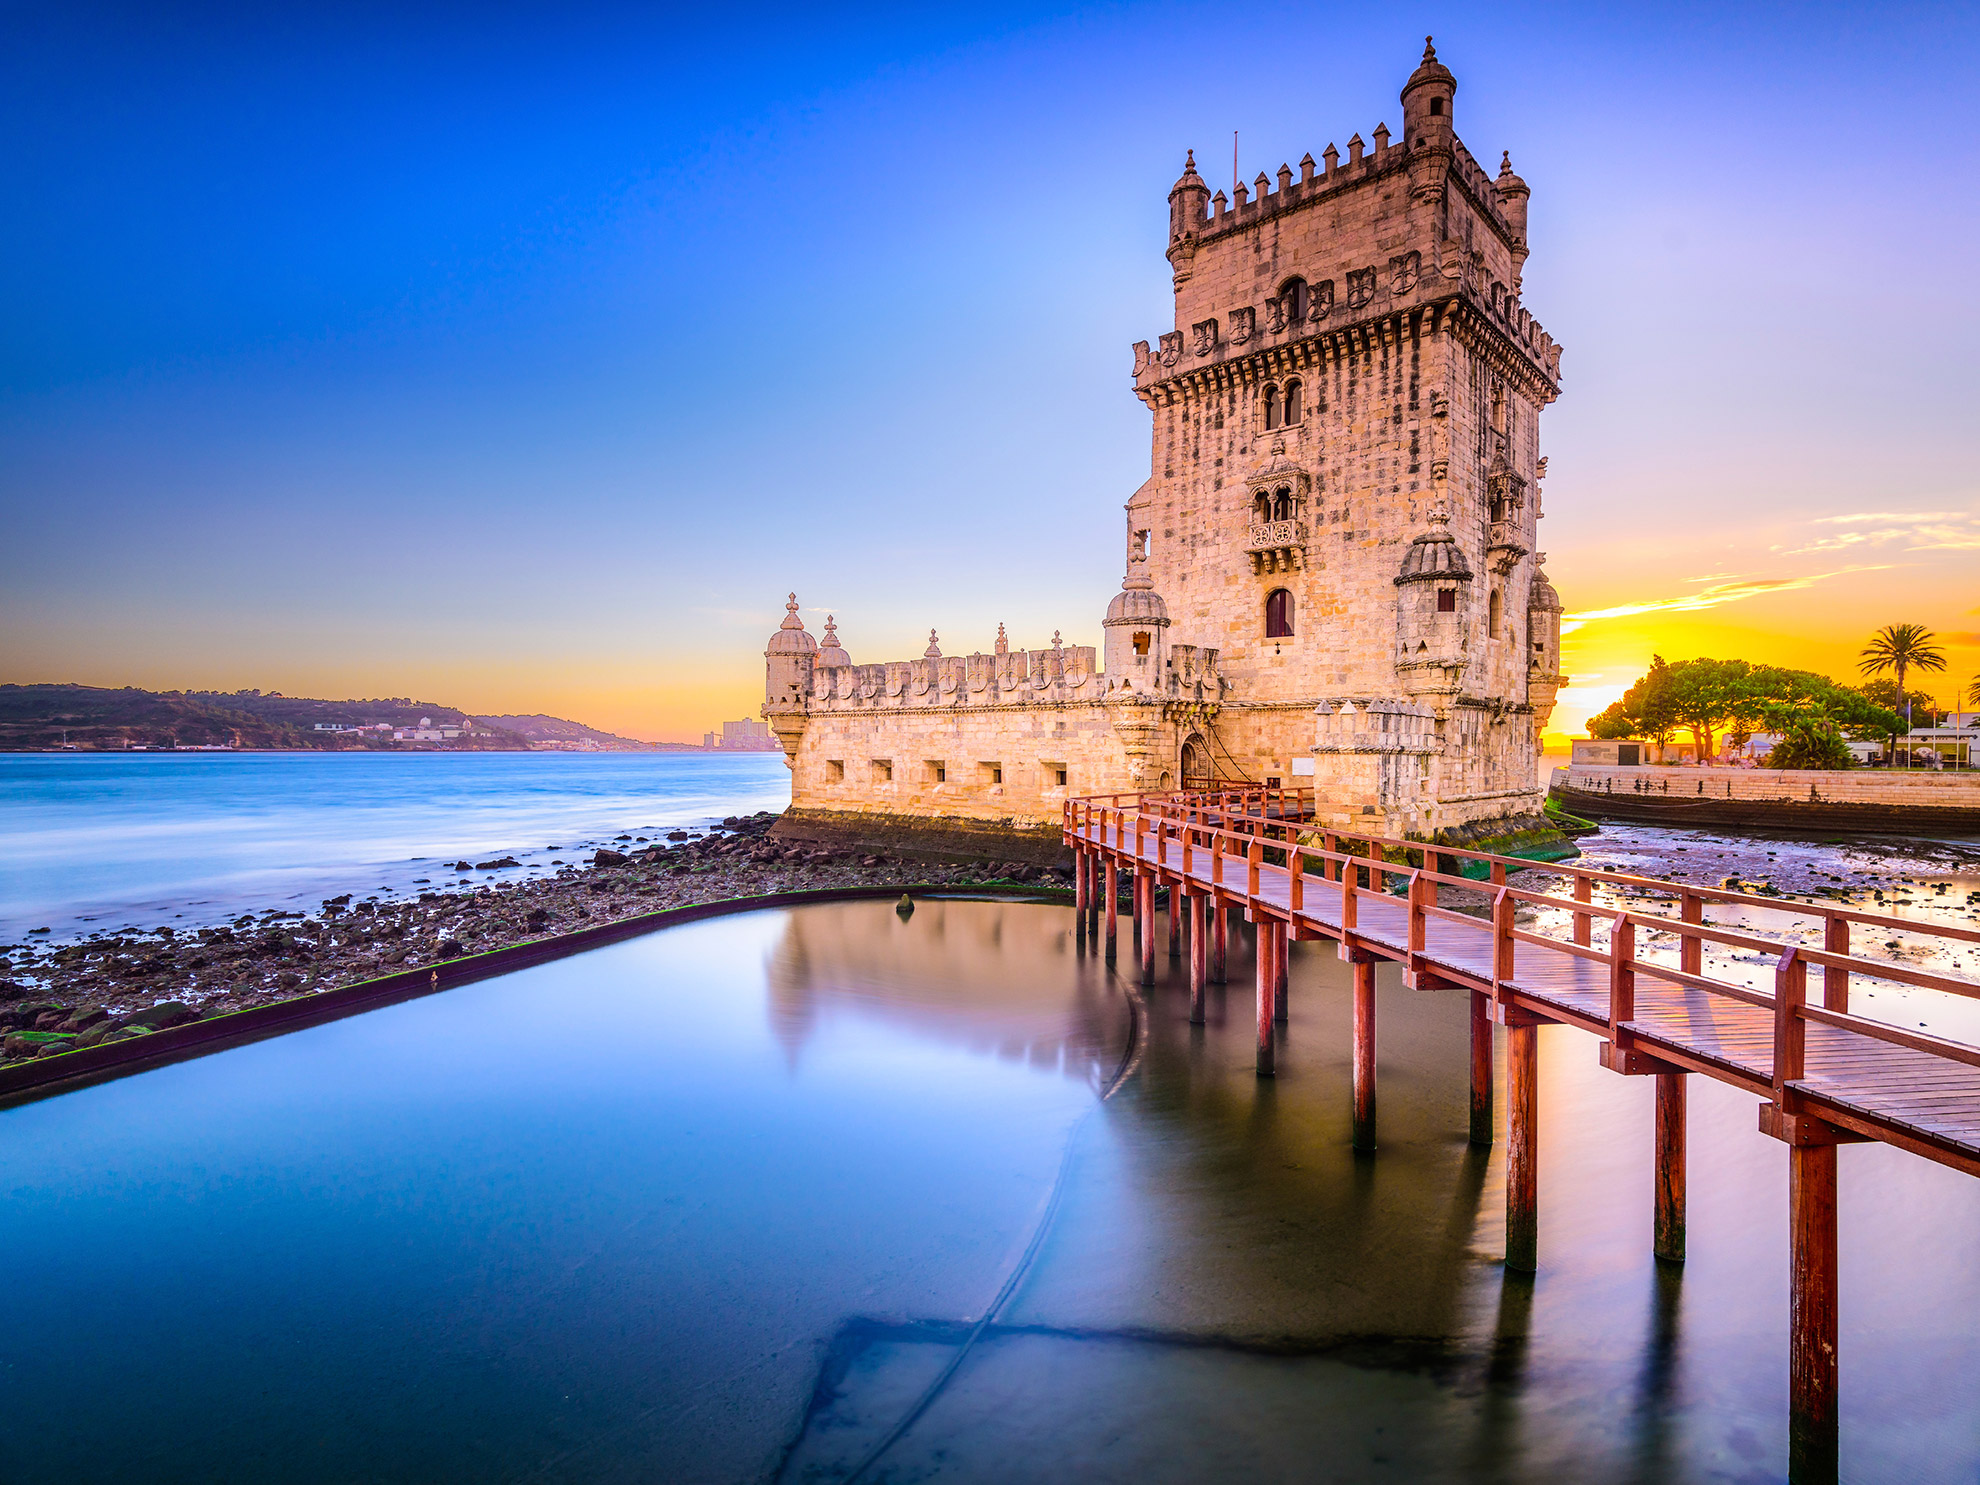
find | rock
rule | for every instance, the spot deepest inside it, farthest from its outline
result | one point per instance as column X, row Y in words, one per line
column 463, row 866
column 677, row 835
column 449, row 948
column 905, row 907
column 83, row 1020
column 494, row 865
column 49, row 1020
column 288, row 979
column 159, row 1017
column 610, row 858
column 13, row 990
column 869, row 861
column 35, row 1043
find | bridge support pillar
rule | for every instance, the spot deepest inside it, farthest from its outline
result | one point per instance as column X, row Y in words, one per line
column 1281, row 957
column 1145, row 883
column 1522, row 1145
column 1669, row 1240
column 1220, row 940
column 1175, row 920
column 1812, row 1441
column 1112, row 906
column 1198, row 956
column 1267, row 1054
column 1082, row 875
column 1364, row 1053
column 1481, row 1068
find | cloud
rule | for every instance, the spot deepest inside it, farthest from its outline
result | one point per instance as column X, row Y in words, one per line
column 1711, row 596
column 1962, row 637
column 1918, row 530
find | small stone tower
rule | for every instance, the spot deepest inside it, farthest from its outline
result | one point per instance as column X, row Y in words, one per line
column 1137, row 644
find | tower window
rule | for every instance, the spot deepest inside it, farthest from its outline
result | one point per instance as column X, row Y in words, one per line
column 1297, row 299
column 1447, row 600
column 1278, row 614
column 1141, row 646
column 1271, row 407
column 835, row 770
column 1493, row 614
column 1436, row 108
column 1292, row 403
column 1282, row 504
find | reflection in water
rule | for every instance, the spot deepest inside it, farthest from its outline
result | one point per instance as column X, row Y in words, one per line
column 725, row 1202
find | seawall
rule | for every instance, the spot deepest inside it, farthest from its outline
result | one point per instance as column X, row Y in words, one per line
column 1866, row 801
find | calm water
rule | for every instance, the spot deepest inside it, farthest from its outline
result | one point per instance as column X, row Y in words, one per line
column 721, row 1203
column 99, row 841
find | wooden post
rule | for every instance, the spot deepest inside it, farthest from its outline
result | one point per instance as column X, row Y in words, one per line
column 1198, row 958
column 1220, row 940
column 1364, row 1053
column 1522, row 1145
column 1481, row 1068
column 1281, row 963
column 1296, row 880
column 1175, row 920
column 1812, row 1434
column 1622, row 974
column 1835, row 979
column 1582, row 933
column 1147, row 881
column 1691, row 951
column 1790, row 1030
column 1266, row 1061
column 1113, row 904
column 1669, row 1240
column 1330, row 869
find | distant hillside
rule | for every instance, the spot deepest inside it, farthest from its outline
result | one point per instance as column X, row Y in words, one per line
column 99, row 717
column 551, row 730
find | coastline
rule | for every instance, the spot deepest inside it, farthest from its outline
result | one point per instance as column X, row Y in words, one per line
column 57, row 999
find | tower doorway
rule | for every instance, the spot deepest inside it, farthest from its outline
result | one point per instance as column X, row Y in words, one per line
column 1197, row 770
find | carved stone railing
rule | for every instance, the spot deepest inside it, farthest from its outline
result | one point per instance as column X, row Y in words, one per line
column 1275, row 544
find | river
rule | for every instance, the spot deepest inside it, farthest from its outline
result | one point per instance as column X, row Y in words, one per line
column 724, row 1203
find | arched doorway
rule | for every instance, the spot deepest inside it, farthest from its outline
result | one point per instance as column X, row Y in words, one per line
column 1197, row 770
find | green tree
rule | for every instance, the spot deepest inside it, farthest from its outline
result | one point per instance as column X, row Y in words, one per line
column 1811, row 742
column 1901, row 648
column 1884, row 693
column 1643, row 711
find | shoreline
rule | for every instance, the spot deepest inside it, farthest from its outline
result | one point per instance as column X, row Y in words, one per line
column 59, row 998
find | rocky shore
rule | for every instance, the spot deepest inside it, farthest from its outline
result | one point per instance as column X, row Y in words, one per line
column 119, row 986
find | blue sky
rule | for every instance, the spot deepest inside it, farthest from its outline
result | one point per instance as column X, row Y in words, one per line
column 524, row 358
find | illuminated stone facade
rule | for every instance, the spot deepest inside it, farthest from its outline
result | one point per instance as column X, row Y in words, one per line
column 1332, row 570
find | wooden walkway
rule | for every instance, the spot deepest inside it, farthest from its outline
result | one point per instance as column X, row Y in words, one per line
column 1828, row 1077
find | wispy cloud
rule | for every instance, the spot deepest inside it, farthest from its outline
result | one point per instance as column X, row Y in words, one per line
column 1713, row 595
column 1916, row 530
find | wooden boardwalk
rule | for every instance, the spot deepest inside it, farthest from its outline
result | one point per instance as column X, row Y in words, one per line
column 1828, row 1077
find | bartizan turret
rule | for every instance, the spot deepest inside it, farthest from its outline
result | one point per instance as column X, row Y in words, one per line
column 1433, row 611
column 1428, row 130
column 787, row 667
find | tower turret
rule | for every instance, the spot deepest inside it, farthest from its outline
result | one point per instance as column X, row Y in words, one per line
column 830, row 651
column 787, row 663
column 1427, row 100
column 1137, row 642
column 1513, row 193
column 1189, row 209
column 1433, row 602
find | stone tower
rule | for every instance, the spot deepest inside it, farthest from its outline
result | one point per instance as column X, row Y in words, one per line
column 1345, row 474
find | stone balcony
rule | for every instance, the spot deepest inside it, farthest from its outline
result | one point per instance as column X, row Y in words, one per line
column 1504, row 546
column 1275, row 545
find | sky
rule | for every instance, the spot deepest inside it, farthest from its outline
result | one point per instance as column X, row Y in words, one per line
column 522, row 359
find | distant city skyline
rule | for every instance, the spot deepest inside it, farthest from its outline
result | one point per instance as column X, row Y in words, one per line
column 529, row 360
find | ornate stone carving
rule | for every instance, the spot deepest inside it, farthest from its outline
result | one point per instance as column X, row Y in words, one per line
column 1171, row 347
column 1360, row 287
column 1244, row 324
column 1323, row 301
column 1205, row 333
column 1404, row 270
column 1275, row 316
column 1141, row 357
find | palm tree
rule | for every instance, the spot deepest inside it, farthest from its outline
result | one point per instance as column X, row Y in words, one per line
column 1901, row 648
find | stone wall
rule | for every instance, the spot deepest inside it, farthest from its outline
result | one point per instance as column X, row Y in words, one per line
column 1871, row 801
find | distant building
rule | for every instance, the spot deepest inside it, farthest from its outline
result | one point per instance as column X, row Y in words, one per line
column 428, row 731
column 746, row 736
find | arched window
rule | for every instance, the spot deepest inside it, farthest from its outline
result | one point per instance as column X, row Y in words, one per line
column 1271, row 407
column 1495, row 613
column 1292, row 403
column 1262, row 507
column 1282, row 504
column 1278, row 614
column 1297, row 299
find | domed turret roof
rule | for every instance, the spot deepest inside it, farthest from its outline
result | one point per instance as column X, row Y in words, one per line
column 1509, row 182
column 1189, row 180
column 830, row 652
column 1137, row 603
column 1434, row 554
column 1429, row 70
column 791, row 637
column 1544, row 594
